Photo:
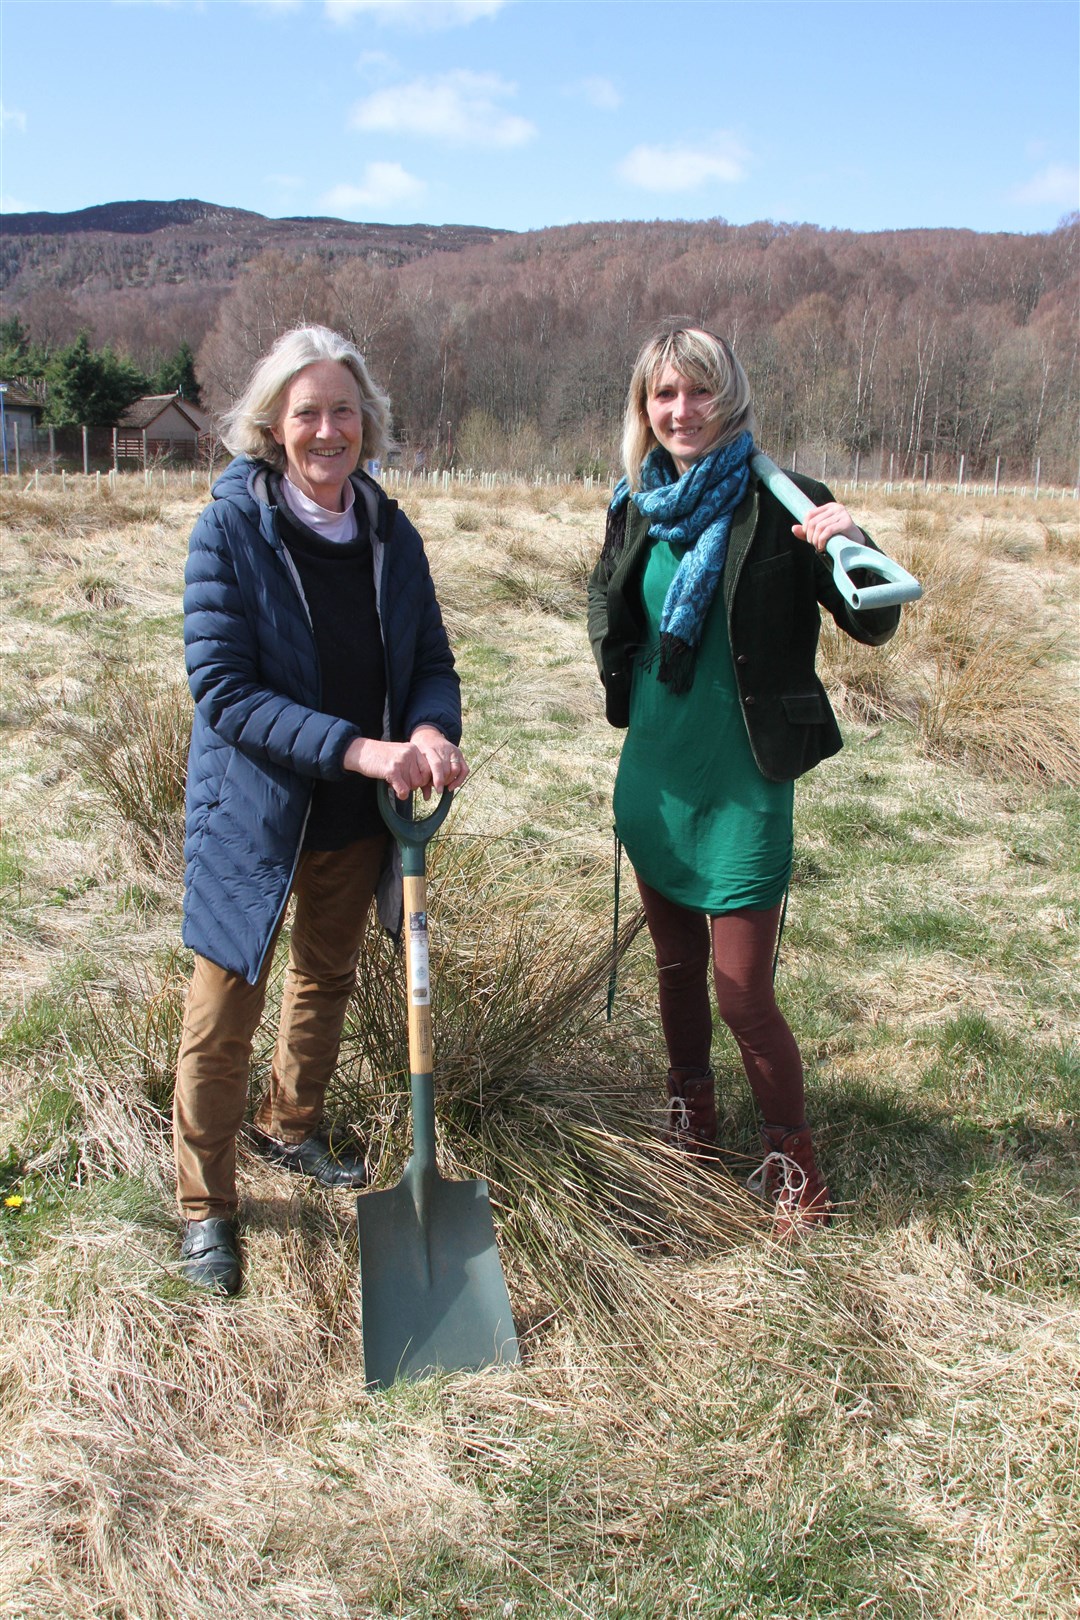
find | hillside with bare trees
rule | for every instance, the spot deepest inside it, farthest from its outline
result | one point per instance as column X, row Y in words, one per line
column 906, row 349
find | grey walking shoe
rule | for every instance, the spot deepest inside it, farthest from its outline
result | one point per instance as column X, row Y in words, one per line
column 210, row 1255
column 340, row 1167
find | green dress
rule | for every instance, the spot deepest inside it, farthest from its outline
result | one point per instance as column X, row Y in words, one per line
column 698, row 820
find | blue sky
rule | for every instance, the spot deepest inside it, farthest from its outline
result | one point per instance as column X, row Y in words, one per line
column 865, row 115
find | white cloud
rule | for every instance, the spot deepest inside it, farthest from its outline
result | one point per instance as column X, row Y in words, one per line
column 684, row 168
column 416, row 13
column 15, row 205
column 12, row 118
column 382, row 185
column 597, row 91
column 460, row 107
column 1057, row 185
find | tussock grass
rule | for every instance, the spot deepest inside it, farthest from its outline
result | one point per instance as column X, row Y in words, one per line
column 136, row 755
column 532, row 588
column 980, row 667
column 531, row 1095
column 705, row 1423
column 993, row 687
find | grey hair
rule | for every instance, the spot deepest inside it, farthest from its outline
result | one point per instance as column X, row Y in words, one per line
column 246, row 426
column 699, row 356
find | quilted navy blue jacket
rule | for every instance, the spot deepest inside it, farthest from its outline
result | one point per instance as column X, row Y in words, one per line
column 259, row 740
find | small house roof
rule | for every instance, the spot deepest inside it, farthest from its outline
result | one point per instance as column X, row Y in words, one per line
column 15, row 394
column 145, row 411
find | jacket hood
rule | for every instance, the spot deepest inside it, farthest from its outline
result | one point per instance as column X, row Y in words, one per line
column 246, row 481
column 239, row 482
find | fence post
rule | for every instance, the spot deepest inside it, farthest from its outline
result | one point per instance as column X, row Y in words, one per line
column 858, row 457
column 1038, row 464
column 52, row 449
column 115, row 450
column 960, row 478
column 997, row 473
column 18, row 468
column 86, row 452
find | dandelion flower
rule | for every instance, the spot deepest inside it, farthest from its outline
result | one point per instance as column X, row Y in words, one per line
column 14, row 1202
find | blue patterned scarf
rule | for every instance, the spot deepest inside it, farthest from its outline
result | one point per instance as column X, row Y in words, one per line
column 695, row 511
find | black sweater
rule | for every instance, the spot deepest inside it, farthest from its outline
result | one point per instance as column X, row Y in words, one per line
column 338, row 580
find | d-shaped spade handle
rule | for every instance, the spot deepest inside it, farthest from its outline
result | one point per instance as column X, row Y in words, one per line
column 408, row 832
column 897, row 584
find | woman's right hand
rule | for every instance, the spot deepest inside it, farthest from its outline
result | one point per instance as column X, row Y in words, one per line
column 400, row 765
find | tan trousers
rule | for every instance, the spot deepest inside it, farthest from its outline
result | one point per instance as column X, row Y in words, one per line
column 332, row 890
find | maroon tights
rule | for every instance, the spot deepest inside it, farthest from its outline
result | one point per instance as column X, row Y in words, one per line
column 742, row 945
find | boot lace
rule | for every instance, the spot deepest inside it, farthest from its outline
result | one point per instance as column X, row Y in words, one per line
column 778, row 1177
column 679, row 1116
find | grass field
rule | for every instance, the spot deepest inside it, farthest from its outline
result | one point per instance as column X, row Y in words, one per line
column 885, row 1421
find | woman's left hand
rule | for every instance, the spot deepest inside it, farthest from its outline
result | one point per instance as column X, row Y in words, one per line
column 824, row 522
column 445, row 760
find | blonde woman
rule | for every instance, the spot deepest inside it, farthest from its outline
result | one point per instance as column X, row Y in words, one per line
column 319, row 666
column 704, row 620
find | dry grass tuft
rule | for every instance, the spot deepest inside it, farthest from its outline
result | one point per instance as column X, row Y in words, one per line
column 993, row 696
column 531, row 1095
column 974, row 667
column 136, row 755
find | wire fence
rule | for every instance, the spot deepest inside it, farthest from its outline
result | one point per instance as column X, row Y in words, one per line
column 443, row 480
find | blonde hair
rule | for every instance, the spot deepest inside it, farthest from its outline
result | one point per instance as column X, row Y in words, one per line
column 699, row 356
column 246, row 427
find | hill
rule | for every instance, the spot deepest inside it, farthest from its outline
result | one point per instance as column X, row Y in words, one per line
column 211, row 222
column 143, row 244
column 60, row 271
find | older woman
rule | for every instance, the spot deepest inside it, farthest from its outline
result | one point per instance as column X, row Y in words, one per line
column 319, row 666
column 704, row 620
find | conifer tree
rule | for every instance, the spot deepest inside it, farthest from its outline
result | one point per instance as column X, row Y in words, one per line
column 90, row 388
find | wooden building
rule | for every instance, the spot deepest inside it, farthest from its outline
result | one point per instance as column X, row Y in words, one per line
column 22, row 413
column 159, row 425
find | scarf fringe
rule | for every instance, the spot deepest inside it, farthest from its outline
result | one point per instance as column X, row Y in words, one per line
column 677, row 662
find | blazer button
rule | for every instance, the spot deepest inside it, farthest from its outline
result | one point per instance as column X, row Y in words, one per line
column 742, row 659
column 748, row 699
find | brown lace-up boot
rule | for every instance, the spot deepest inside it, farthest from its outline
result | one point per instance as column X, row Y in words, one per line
column 789, row 1177
column 691, row 1121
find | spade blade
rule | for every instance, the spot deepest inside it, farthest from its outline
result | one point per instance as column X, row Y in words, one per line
column 432, row 1288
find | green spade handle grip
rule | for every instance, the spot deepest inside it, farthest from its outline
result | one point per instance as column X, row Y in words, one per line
column 404, row 828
